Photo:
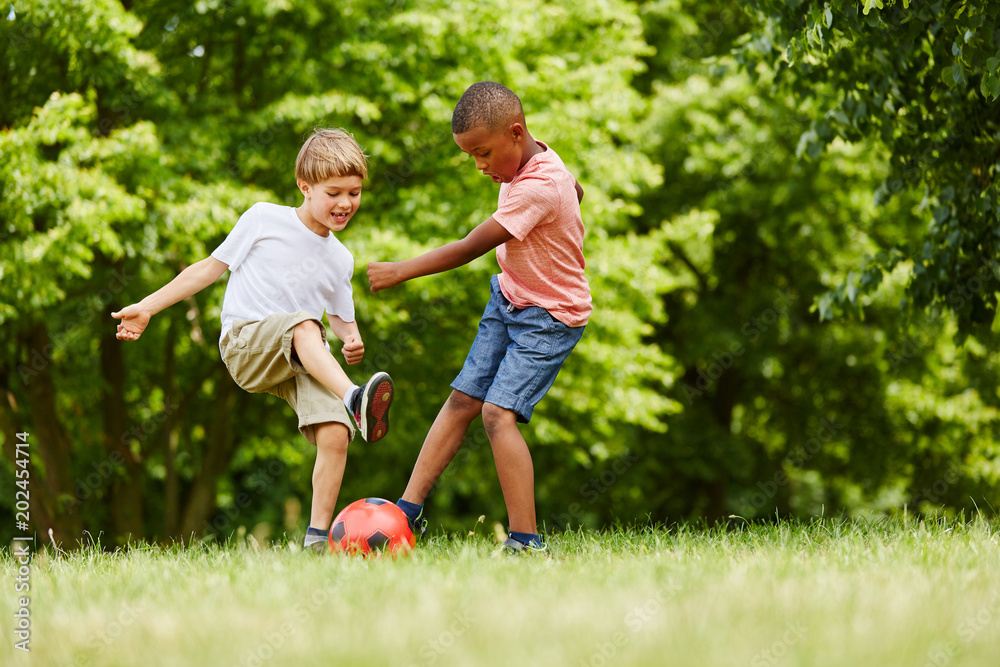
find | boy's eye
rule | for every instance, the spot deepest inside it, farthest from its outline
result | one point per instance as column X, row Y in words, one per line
column 484, row 154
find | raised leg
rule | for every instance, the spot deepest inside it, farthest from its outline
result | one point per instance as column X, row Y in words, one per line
column 308, row 344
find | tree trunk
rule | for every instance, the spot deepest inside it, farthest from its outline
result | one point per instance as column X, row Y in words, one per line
column 127, row 522
column 201, row 500
column 722, row 404
column 170, row 437
column 48, row 440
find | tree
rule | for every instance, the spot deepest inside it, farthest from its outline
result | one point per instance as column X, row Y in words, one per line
column 132, row 153
column 785, row 411
column 923, row 77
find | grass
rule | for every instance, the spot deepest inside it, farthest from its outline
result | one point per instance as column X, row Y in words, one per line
column 826, row 593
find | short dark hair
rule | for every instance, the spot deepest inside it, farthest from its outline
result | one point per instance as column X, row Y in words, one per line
column 486, row 103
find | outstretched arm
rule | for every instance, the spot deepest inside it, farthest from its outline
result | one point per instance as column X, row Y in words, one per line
column 486, row 236
column 190, row 281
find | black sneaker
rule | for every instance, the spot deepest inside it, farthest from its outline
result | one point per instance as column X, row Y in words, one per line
column 418, row 525
column 512, row 547
column 370, row 407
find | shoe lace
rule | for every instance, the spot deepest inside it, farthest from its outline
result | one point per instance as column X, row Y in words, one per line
column 419, row 524
column 356, row 403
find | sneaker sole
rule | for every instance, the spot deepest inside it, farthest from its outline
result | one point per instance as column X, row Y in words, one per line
column 375, row 404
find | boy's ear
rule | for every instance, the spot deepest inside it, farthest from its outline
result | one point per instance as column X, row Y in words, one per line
column 516, row 131
column 303, row 187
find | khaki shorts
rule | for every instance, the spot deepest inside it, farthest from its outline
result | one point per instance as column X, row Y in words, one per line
column 259, row 356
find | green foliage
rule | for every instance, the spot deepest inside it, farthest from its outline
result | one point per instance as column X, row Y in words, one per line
column 749, row 176
column 784, row 408
column 135, row 165
column 922, row 77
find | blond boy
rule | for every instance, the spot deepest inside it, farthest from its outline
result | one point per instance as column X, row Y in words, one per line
column 287, row 268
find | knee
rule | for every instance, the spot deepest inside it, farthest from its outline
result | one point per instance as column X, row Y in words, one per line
column 331, row 436
column 464, row 404
column 496, row 418
column 307, row 328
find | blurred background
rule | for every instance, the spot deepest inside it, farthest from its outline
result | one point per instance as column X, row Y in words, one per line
column 792, row 230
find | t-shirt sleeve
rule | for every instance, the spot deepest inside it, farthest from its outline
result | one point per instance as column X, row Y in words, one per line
column 530, row 201
column 342, row 302
column 237, row 245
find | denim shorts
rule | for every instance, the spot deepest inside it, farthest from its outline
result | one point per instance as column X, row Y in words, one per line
column 516, row 355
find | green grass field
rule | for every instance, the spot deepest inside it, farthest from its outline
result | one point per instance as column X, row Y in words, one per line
column 831, row 593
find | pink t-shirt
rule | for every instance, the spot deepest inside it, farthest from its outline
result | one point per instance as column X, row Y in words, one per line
column 543, row 264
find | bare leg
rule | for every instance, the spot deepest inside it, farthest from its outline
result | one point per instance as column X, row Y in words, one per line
column 441, row 444
column 328, row 472
column 317, row 360
column 514, row 467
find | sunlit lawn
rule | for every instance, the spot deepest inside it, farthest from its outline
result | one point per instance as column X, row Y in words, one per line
column 838, row 593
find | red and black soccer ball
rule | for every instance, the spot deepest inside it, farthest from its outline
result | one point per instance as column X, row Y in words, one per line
column 371, row 526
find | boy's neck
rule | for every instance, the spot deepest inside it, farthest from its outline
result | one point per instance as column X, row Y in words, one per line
column 316, row 228
column 531, row 149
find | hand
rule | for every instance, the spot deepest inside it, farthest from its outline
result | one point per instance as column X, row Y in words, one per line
column 134, row 319
column 353, row 350
column 382, row 275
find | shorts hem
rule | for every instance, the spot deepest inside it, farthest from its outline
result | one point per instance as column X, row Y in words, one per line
column 324, row 418
column 468, row 389
column 508, row 401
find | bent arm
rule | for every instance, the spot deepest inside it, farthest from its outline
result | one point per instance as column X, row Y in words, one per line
column 341, row 329
column 486, row 236
column 354, row 347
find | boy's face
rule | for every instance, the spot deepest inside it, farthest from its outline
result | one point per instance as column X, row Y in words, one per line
column 498, row 154
column 330, row 204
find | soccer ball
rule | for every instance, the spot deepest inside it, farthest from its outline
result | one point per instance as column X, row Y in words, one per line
column 371, row 526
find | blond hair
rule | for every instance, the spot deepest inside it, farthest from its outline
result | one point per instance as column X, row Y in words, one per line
column 330, row 153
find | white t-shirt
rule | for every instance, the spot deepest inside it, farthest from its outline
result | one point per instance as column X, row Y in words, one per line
column 277, row 265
